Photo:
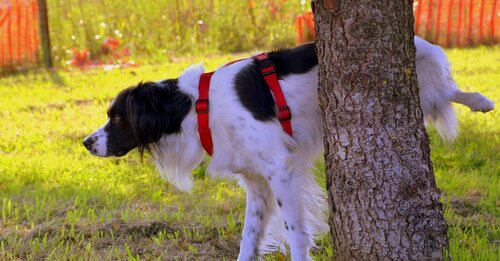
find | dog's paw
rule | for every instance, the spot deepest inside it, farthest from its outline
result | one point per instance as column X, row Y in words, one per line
column 480, row 103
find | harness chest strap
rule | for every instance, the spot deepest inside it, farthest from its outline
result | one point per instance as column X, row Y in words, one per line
column 268, row 71
column 202, row 108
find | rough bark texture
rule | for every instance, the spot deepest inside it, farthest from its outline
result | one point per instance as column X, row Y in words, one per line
column 383, row 197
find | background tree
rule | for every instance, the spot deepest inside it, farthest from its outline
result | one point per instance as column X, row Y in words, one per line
column 383, row 197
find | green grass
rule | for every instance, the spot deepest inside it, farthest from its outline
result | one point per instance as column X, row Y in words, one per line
column 57, row 202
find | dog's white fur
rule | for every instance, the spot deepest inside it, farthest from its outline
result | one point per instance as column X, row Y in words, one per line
column 284, row 202
column 270, row 164
column 99, row 148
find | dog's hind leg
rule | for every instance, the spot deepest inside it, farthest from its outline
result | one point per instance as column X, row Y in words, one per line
column 438, row 90
column 288, row 187
column 474, row 100
column 260, row 204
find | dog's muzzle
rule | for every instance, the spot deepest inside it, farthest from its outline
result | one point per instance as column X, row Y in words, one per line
column 88, row 143
column 95, row 143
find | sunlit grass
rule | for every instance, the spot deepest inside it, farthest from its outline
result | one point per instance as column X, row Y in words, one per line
column 57, row 202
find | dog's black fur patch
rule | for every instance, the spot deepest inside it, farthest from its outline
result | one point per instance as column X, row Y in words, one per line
column 148, row 110
column 298, row 60
column 254, row 94
column 252, row 89
column 120, row 137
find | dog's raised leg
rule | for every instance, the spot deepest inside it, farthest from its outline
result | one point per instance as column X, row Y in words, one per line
column 258, row 209
column 286, row 183
column 474, row 100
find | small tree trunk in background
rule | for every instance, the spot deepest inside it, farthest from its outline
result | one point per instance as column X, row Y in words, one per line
column 383, row 197
column 44, row 33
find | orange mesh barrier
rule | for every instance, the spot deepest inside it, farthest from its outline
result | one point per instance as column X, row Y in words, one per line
column 456, row 23
column 19, row 41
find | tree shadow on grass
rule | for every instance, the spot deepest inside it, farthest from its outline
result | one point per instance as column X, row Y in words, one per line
column 55, row 77
column 474, row 149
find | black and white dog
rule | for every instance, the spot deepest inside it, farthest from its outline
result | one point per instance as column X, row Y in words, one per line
column 284, row 202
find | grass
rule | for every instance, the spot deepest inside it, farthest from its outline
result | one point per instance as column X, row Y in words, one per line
column 57, row 202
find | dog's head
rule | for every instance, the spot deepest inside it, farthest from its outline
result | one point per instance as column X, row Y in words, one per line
column 138, row 117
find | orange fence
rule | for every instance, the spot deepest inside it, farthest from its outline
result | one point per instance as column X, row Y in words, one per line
column 19, row 41
column 450, row 23
column 457, row 22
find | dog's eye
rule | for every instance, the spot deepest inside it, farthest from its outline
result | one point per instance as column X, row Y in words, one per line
column 116, row 119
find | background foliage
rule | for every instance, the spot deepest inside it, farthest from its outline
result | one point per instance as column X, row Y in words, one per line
column 166, row 28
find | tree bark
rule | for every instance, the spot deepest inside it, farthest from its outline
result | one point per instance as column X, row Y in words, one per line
column 383, row 197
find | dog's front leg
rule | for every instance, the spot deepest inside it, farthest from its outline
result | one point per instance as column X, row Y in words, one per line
column 258, row 209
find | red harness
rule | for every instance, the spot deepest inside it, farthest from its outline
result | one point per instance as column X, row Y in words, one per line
column 268, row 71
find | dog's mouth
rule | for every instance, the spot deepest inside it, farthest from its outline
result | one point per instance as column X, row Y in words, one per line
column 117, row 152
column 96, row 153
column 120, row 153
column 114, row 154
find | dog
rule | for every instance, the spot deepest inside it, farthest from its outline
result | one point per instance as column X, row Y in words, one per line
column 284, row 202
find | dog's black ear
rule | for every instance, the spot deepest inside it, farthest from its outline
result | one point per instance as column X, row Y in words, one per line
column 156, row 109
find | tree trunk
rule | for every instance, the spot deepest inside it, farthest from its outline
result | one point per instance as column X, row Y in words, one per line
column 383, row 197
column 44, row 33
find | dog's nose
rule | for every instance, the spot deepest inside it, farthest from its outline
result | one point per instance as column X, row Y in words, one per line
column 87, row 142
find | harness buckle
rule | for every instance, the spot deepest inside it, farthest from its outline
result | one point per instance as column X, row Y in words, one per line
column 267, row 70
column 266, row 66
column 284, row 113
column 202, row 106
